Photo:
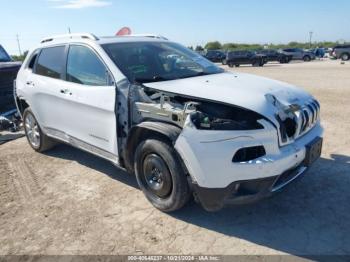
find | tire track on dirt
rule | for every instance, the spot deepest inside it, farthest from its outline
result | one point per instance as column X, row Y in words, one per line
column 7, row 186
column 24, row 180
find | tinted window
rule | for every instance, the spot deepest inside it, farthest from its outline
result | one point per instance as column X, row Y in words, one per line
column 4, row 57
column 51, row 62
column 84, row 67
column 343, row 46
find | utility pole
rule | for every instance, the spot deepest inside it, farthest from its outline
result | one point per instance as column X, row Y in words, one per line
column 19, row 45
column 310, row 34
column 69, row 30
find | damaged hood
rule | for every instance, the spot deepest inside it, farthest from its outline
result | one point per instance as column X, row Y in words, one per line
column 239, row 89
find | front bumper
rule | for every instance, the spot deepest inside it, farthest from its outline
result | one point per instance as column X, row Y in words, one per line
column 216, row 179
column 245, row 192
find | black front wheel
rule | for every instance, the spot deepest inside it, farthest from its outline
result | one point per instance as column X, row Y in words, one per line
column 307, row 58
column 345, row 57
column 256, row 63
column 160, row 175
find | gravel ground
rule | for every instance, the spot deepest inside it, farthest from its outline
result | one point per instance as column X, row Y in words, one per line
column 70, row 202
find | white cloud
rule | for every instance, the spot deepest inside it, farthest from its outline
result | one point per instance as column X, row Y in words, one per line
column 78, row 4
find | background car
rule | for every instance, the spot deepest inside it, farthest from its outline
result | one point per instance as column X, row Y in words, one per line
column 299, row 54
column 274, row 55
column 319, row 52
column 215, row 55
column 342, row 52
column 8, row 73
column 237, row 58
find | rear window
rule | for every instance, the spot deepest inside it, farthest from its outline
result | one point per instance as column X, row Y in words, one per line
column 4, row 57
column 342, row 46
column 51, row 62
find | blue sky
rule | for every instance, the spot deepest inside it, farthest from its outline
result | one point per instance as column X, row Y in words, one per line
column 189, row 22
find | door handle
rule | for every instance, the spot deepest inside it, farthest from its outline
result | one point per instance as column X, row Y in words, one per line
column 65, row 91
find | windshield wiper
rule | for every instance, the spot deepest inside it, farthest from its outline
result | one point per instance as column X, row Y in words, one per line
column 149, row 80
column 197, row 74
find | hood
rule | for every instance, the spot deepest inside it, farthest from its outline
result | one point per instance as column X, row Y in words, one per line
column 239, row 89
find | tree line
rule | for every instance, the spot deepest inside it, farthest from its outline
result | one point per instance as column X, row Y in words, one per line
column 216, row 45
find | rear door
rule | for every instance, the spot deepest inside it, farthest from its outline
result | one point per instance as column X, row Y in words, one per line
column 299, row 53
column 237, row 57
column 272, row 55
column 245, row 57
column 43, row 83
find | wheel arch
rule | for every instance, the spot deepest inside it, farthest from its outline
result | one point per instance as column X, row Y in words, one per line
column 21, row 105
column 144, row 130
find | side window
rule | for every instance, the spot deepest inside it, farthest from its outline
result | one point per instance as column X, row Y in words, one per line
column 32, row 61
column 84, row 67
column 51, row 62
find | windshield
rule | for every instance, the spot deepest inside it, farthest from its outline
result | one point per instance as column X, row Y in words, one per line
column 4, row 57
column 145, row 62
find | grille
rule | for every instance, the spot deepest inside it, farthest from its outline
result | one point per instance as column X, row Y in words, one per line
column 305, row 118
column 308, row 117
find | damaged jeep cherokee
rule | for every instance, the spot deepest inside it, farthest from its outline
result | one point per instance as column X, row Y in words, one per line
column 183, row 125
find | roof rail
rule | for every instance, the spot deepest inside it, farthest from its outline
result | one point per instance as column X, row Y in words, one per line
column 149, row 35
column 70, row 36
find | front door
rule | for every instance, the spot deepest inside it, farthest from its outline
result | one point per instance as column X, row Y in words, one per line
column 88, row 99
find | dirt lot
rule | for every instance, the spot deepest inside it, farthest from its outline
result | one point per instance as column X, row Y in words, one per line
column 69, row 202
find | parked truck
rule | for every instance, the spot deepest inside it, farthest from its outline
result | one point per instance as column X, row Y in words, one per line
column 8, row 73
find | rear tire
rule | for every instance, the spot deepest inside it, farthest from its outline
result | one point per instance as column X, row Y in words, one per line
column 307, row 58
column 36, row 138
column 345, row 57
column 230, row 64
column 256, row 63
column 160, row 175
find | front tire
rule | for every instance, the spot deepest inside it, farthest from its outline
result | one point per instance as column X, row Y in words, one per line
column 160, row 175
column 307, row 58
column 256, row 63
column 345, row 57
column 36, row 138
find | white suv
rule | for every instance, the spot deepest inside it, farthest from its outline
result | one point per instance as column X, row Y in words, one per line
column 183, row 125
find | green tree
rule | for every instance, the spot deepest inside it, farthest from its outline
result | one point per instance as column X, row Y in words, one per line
column 20, row 57
column 213, row 45
column 199, row 48
column 230, row 46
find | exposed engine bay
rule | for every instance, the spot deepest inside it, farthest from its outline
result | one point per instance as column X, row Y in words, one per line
column 152, row 105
